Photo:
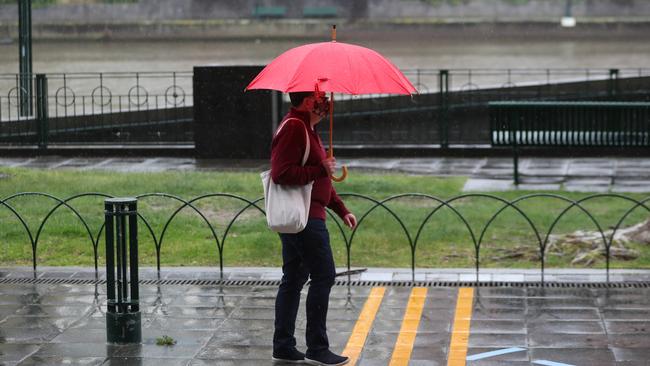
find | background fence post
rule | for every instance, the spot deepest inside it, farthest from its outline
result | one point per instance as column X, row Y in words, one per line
column 612, row 83
column 42, row 111
column 443, row 106
column 25, row 57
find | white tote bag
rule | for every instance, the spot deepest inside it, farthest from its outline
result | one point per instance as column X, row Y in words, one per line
column 287, row 206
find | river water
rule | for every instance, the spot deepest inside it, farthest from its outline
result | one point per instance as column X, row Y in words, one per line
column 414, row 53
column 67, row 57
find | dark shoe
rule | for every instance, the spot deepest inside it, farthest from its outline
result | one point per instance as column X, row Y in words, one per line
column 326, row 358
column 293, row 356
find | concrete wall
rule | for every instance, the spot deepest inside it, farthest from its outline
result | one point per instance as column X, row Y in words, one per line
column 496, row 9
column 157, row 10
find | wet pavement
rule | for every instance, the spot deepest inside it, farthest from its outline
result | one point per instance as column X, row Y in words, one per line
column 484, row 174
column 54, row 322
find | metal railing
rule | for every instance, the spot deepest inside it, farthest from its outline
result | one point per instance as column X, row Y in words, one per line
column 98, row 107
column 156, row 107
column 432, row 206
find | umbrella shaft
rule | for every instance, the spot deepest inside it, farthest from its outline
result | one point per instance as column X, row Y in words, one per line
column 331, row 151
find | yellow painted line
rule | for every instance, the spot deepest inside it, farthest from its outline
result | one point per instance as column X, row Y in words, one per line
column 460, row 334
column 364, row 323
column 410, row 323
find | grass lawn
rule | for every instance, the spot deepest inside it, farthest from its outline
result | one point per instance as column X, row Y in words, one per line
column 379, row 241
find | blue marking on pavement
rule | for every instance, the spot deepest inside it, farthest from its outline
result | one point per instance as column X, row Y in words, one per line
column 550, row 363
column 479, row 356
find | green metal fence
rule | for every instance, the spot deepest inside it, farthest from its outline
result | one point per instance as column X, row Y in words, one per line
column 569, row 124
column 410, row 229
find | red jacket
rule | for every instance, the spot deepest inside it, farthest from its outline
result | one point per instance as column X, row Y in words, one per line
column 287, row 150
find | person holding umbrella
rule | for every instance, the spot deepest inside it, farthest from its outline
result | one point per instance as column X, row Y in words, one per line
column 307, row 253
column 306, row 73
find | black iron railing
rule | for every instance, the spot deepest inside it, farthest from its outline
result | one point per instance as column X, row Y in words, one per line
column 157, row 107
column 433, row 206
column 87, row 108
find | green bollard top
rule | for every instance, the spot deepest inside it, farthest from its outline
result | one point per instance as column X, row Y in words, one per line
column 120, row 200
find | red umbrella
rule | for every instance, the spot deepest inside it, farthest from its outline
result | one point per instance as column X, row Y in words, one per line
column 332, row 67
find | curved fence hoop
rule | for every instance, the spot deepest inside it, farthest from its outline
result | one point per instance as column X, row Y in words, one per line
column 137, row 89
column 575, row 204
column 65, row 203
column 629, row 211
column 101, row 89
column 29, row 232
column 60, row 203
column 174, row 95
column 15, row 89
column 508, row 204
column 443, row 204
column 65, row 96
column 232, row 222
column 377, row 204
column 185, row 204
column 220, row 244
column 189, row 203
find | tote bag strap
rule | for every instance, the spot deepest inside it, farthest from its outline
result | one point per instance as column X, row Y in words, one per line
column 307, row 147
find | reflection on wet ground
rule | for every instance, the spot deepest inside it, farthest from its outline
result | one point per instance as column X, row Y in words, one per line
column 48, row 323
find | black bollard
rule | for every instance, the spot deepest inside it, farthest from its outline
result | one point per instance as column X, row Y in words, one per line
column 123, row 319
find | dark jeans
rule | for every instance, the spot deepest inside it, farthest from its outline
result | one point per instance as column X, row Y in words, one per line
column 305, row 254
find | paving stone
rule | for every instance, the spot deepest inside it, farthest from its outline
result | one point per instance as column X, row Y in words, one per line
column 566, row 326
column 626, row 314
column 155, row 351
column 552, row 319
column 631, row 354
column 627, row 327
column 562, row 314
column 141, row 361
column 487, row 185
column 561, row 340
column 262, row 353
column 574, row 356
column 76, row 350
column 27, row 336
column 498, row 327
column 62, row 360
column 52, row 310
column 16, row 352
column 630, row 340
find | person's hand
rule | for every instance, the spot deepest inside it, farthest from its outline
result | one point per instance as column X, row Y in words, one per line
column 330, row 165
column 350, row 220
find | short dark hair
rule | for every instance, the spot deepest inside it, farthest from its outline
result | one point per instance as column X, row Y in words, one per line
column 297, row 97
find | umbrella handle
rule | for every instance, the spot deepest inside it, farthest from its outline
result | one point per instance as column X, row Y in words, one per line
column 343, row 176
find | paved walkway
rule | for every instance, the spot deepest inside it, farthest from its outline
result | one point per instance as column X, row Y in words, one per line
column 58, row 322
column 485, row 174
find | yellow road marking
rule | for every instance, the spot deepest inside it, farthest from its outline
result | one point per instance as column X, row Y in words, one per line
column 460, row 335
column 406, row 338
column 364, row 323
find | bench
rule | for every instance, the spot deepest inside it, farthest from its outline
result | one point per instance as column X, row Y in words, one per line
column 269, row 11
column 568, row 124
column 319, row 12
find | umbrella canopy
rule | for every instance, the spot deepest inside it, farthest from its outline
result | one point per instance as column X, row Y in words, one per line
column 332, row 67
